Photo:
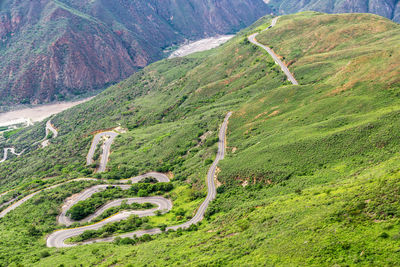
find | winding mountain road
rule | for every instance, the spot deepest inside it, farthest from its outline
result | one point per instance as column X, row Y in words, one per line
column 110, row 136
column 159, row 176
column 5, row 204
column 4, row 193
column 163, row 203
column 253, row 40
column 12, row 151
column 44, row 142
column 26, row 198
column 211, row 188
column 57, row 239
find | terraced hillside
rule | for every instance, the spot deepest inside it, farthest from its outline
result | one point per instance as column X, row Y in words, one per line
column 311, row 171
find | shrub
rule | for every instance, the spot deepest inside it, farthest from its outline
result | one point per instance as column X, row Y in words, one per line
column 221, row 189
column 384, row 235
column 127, row 241
column 162, row 227
column 143, row 193
column 44, row 254
column 208, row 162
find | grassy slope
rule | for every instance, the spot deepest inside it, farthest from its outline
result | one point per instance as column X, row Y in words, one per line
column 343, row 110
column 166, row 112
column 325, row 153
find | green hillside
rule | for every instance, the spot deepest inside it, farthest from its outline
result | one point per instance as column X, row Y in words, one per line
column 311, row 175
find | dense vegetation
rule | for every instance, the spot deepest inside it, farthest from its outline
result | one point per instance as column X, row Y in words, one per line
column 311, row 172
column 86, row 207
column 131, row 224
column 124, row 206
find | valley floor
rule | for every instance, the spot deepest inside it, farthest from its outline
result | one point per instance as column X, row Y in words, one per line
column 36, row 113
column 200, row 45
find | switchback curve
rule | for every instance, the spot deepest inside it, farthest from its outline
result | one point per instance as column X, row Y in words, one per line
column 110, row 136
column 44, row 142
column 58, row 238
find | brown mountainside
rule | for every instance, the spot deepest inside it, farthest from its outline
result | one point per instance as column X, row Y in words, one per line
column 53, row 49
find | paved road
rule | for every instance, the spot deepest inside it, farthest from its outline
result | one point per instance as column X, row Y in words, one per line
column 163, row 204
column 50, row 128
column 212, row 191
column 64, row 219
column 58, row 238
column 8, row 202
column 161, row 177
column 23, row 200
column 252, row 39
column 2, row 194
column 45, row 142
column 12, row 151
column 106, row 149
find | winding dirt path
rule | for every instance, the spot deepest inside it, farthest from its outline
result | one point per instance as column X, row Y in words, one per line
column 44, row 142
column 12, row 151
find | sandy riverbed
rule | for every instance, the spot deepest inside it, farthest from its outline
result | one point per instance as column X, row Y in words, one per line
column 39, row 113
column 34, row 114
column 201, row 45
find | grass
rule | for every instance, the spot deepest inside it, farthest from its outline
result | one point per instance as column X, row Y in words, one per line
column 8, row 134
column 311, row 172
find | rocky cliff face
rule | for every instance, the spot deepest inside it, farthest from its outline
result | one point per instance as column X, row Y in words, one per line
column 386, row 8
column 52, row 49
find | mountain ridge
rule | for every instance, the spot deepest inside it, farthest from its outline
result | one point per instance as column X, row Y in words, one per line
column 52, row 50
column 386, row 8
